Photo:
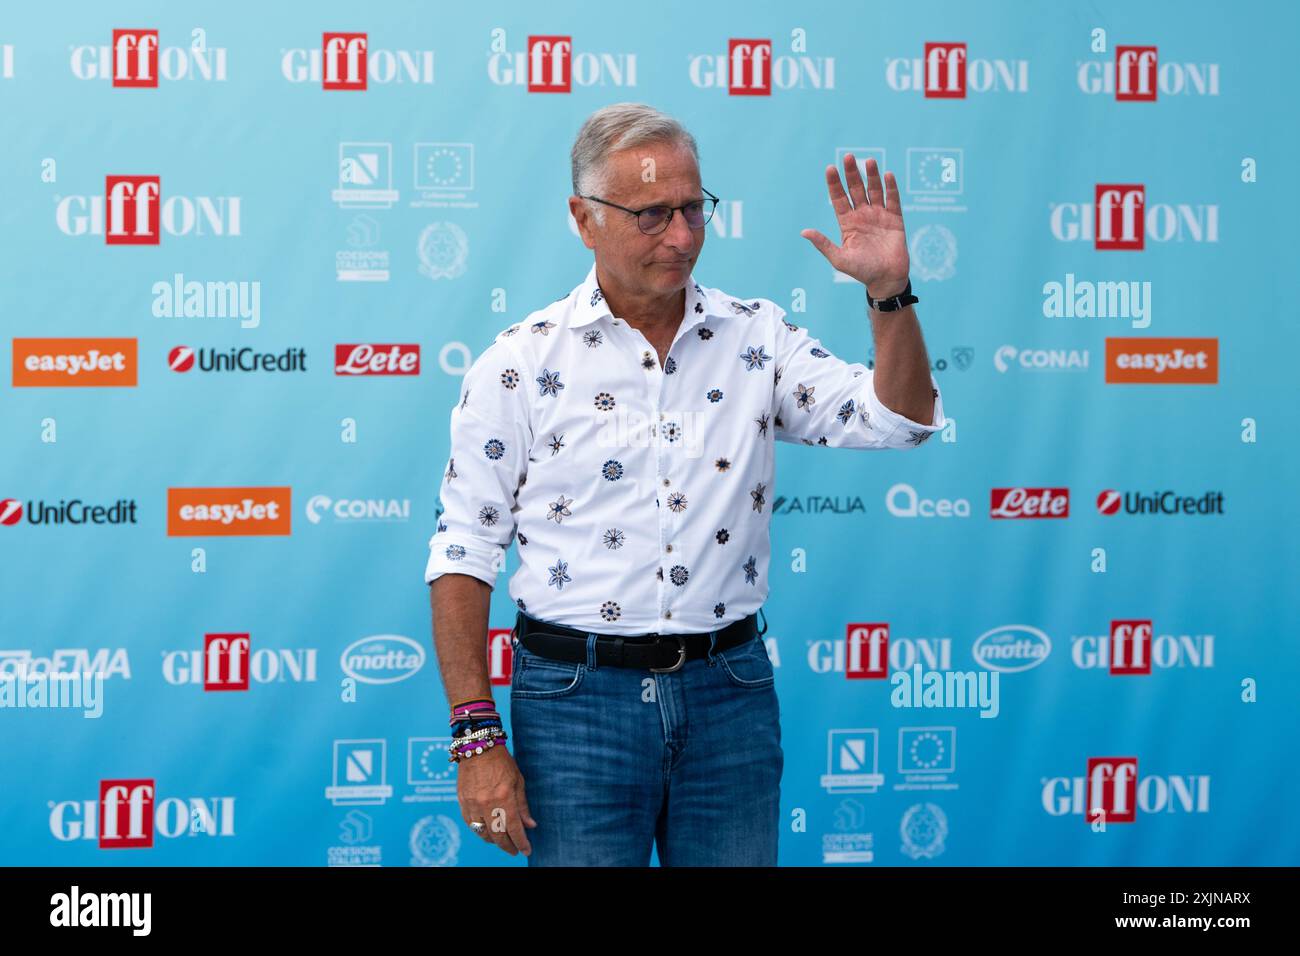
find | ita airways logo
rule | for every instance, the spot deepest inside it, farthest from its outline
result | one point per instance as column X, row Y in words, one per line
column 228, row 511
column 945, row 71
column 133, row 212
column 136, row 60
column 1132, row 648
column 375, row 359
column 129, row 815
column 86, row 362
column 1112, row 791
column 551, row 65
column 1162, row 361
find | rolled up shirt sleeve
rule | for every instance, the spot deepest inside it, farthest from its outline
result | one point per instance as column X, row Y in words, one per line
column 819, row 399
column 490, row 441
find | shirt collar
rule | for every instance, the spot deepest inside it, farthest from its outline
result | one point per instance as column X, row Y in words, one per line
column 591, row 304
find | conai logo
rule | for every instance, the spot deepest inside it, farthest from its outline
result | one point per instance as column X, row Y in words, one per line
column 382, row 659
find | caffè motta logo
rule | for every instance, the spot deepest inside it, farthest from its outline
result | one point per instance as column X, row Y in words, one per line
column 228, row 511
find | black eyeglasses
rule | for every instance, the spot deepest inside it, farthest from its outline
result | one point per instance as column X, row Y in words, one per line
column 653, row 220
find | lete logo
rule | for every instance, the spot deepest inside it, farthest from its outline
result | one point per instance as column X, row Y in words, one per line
column 1015, row 647
column 382, row 659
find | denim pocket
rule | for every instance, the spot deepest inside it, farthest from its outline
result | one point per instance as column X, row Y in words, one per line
column 747, row 665
column 537, row 677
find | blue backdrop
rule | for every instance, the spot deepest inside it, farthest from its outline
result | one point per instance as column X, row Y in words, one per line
column 1097, row 199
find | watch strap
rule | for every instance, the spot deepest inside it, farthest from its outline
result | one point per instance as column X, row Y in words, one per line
column 894, row 302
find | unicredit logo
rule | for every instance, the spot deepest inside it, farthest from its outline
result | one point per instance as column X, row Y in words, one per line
column 183, row 359
column 1111, row 502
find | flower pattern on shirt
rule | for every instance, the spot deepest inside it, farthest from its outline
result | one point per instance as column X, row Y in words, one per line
column 559, row 575
column 559, row 509
column 754, row 357
column 565, row 471
column 549, row 382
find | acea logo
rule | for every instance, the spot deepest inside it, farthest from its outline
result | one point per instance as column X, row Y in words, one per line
column 1011, row 648
column 382, row 659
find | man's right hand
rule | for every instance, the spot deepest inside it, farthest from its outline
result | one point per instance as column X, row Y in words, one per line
column 491, row 790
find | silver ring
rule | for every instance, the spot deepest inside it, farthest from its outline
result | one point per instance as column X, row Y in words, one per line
column 478, row 827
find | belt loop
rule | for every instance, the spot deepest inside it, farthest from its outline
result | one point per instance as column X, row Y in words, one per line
column 591, row 651
column 713, row 642
column 764, row 616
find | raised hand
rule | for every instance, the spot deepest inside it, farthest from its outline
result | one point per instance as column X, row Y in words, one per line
column 873, row 244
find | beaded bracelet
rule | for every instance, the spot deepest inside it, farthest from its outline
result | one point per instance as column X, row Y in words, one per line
column 459, row 750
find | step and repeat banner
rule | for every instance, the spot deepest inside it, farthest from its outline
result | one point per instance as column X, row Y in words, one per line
column 250, row 250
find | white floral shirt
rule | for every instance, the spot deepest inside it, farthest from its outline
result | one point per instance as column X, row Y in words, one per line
column 640, row 495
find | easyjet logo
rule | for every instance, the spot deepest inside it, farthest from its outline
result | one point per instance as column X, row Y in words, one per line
column 228, row 511
column 74, row 361
column 1162, row 361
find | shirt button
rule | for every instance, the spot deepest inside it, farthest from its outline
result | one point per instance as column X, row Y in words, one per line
column 668, row 613
column 665, row 481
column 668, row 547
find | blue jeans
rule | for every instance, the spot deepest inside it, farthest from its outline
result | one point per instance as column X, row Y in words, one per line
column 617, row 759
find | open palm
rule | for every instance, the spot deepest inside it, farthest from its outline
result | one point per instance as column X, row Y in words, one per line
column 873, row 244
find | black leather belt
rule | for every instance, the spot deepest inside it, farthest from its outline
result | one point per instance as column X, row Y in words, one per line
column 661, row 653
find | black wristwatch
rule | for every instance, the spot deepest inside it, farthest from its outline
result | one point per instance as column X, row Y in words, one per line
column 894, row 302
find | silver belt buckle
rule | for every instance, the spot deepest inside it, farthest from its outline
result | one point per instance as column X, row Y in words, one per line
column 681, row 656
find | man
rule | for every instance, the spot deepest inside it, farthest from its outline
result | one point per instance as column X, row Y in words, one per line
column 625, row 434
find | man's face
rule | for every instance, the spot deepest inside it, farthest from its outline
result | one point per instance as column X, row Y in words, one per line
column 641, row 265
